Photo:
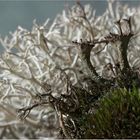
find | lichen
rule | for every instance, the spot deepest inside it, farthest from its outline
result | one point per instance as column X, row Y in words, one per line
column 55, row 77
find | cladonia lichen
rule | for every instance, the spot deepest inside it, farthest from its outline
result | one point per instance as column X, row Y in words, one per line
column 53, row 77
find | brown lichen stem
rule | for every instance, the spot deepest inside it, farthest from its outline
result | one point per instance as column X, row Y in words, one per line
column 123, row 50
column 86, row 50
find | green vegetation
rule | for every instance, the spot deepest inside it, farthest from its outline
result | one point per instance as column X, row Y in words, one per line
column 80, row 78
column 118, row 115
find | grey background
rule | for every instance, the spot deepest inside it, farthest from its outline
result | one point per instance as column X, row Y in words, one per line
column 23, row 12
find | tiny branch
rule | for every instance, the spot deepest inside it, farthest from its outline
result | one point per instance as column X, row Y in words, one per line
column 24, row 112
column 89, row 28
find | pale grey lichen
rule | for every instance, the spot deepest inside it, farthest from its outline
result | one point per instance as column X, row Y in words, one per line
column 32, row 58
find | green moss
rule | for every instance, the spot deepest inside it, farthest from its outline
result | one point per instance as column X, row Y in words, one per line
column 118, row 115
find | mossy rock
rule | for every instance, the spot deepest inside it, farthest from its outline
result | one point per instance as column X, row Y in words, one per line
column 118, row 115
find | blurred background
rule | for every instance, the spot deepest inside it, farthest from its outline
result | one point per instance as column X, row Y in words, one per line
column 23, row 12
